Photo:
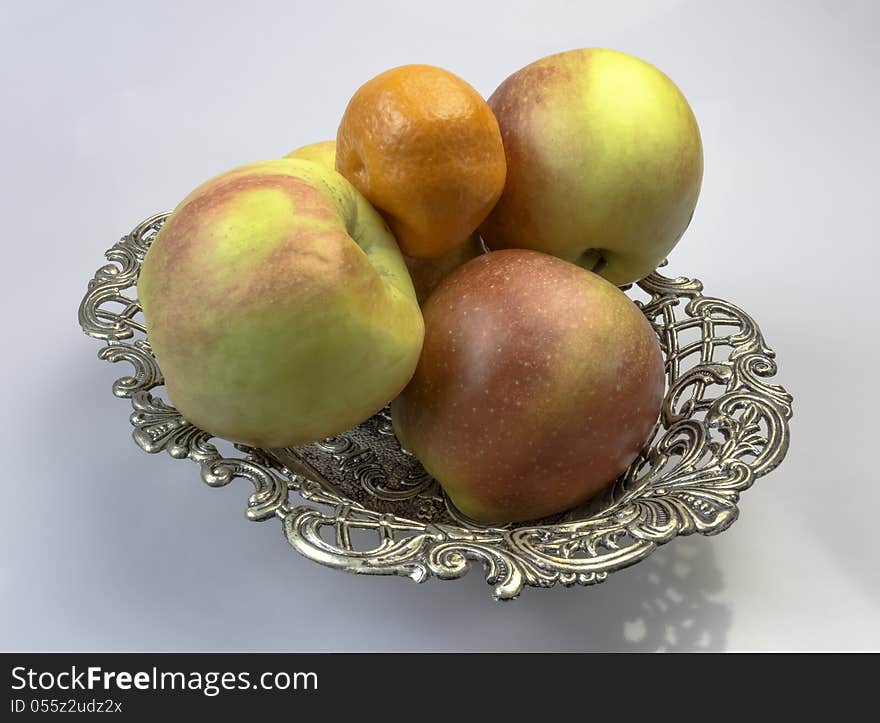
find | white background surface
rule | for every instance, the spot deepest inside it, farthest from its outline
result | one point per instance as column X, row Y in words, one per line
column 112, row 111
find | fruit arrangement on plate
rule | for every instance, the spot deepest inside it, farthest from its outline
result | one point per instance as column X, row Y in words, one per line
column 450, row 273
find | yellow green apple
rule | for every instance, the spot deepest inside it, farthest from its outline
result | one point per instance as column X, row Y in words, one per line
column 278, row 305
column 322, row 152
column 604, row 162
column 538, row 384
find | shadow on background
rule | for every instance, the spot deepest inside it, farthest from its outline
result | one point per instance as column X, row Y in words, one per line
column 664, row 603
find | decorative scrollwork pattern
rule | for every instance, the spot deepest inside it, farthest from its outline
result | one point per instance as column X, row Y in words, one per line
column 723, row 424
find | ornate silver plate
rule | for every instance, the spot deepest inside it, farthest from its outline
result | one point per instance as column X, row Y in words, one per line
column 358, row 503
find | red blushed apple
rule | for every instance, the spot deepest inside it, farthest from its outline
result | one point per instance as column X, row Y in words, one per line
column 538, row 384
column 604, row 162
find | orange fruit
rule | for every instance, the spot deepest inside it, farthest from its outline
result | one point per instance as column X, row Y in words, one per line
column 425, row 149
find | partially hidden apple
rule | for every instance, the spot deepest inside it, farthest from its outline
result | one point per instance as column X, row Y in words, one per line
column 538, row 384
column 322, row 152
column 604, row 162
column 425, row 273
column 278, row 305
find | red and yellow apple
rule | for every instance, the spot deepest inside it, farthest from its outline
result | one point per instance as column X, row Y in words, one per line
column 278, row 305
column 538, row 384
column 604, row 162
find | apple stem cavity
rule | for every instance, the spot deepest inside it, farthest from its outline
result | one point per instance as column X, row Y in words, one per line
column 593, row 260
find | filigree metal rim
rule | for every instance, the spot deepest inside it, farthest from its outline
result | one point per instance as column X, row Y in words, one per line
column 705, row 451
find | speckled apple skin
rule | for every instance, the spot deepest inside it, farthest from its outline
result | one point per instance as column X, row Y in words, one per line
column 538, row 384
